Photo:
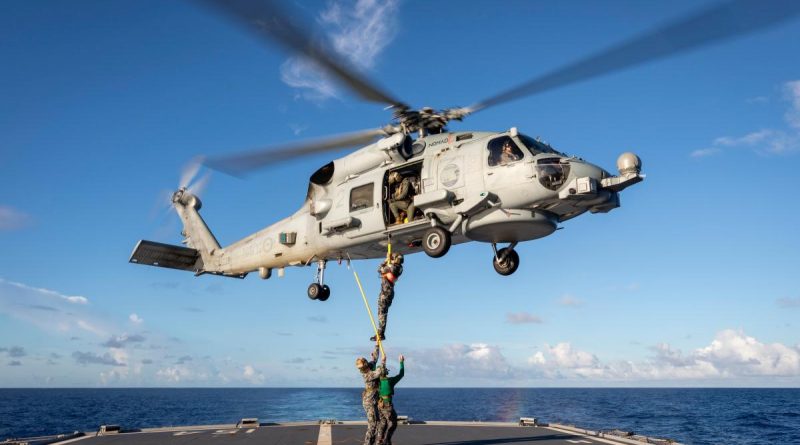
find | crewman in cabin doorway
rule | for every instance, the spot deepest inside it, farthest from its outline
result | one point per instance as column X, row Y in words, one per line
column 390, row 271
column 388, row 416
column 369, row 397
column 402, row 198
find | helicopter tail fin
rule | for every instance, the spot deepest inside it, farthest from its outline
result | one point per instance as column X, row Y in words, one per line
column 196, row 232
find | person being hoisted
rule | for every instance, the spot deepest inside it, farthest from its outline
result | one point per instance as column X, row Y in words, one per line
column 390, row 271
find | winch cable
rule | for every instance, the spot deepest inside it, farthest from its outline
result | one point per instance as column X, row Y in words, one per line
column 369, row 311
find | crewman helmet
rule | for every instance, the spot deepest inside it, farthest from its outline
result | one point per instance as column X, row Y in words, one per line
column 361, row 363
column 394, row 177
column 398, row 258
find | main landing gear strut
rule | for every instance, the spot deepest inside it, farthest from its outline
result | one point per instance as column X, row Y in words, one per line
column 318, row 290
column 506, row 260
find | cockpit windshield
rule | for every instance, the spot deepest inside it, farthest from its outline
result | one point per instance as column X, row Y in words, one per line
column 536, row 147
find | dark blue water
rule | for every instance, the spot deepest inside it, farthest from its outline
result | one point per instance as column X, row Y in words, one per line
column 691, row 416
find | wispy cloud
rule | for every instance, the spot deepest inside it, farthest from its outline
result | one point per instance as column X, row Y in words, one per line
column 13, row 219
column 14, row 351
column 135, row 319
column 120, row 341
column 787, row 302
column 766, row 141
column 15, row 363
column 318, row 319
column 570, row 300
column 50, row 310
column 358, row 31
column 522, row 318
column 90, row 358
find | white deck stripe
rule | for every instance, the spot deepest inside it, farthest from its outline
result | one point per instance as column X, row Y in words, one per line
column 325, row 437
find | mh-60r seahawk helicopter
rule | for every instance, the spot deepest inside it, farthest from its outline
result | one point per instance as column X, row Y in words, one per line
column 493, row 187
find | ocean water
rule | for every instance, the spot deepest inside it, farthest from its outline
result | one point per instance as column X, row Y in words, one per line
column 691, row 416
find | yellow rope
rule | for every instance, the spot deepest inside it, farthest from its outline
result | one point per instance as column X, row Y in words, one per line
column 369, row 311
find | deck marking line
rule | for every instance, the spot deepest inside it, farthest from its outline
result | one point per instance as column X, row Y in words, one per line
column 231, row 432
column 325, row 437
column 184, row 433
column 577, row 441
column 250, row 430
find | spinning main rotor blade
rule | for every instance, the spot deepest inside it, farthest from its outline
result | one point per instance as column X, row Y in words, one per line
column 267, row 19
column 720, row 22
column 242, row 163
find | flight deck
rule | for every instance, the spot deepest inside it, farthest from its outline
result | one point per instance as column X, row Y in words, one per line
column 526, row 431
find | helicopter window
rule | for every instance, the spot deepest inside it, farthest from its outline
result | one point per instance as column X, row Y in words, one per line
column 361, row 197
column 502, row 151
column 552, row 173
column 536, row 147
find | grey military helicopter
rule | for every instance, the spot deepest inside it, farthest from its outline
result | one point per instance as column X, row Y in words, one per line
column 500, row 188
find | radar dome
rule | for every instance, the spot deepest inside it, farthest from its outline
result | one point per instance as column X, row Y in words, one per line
column 629, row 163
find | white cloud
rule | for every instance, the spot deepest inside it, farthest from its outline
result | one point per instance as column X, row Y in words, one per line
column 174, row 374
column 788, row 302
column 357, row 30
column 477, row 361
column 731, row 355
column 766, row 141
column 252, row 375
column 750, row 139
column 703, row 152
column 792, row 91
column 522, row 318
column 89, row 327
column 569, row 300
column 13, row 219
column 135, row 319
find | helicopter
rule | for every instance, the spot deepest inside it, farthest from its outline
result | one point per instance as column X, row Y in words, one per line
column 500, row 188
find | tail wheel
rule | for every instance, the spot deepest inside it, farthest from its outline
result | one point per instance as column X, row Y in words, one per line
column 326, row 292
column 508, row 264
column 315, row 291
column 436, row 242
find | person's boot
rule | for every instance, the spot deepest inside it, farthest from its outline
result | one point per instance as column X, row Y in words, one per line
column 373, row 338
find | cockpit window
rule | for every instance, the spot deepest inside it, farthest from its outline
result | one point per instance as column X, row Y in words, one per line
column 535, row 146
column 503, row 150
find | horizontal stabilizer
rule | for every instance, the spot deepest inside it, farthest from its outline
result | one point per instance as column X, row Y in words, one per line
column 166, row 255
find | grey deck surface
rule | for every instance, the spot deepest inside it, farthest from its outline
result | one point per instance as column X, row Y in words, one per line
column 459, row 435
column 345, row 434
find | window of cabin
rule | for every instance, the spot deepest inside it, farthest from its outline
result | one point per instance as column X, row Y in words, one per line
column 361, row 197
column 502, row 151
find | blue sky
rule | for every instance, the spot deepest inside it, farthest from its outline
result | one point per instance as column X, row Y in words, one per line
column 692, row 282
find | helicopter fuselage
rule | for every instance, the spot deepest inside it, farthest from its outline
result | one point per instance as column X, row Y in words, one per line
column 462, row 183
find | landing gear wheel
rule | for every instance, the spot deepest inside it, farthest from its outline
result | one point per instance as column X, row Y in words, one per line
column 326, row 292
column 436, row 242
column 509, row 264
column 315, row 291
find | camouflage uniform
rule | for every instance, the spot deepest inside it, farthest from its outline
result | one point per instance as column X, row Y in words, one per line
column 388, row 421
column 369, row 399
column 390, row 272
column 403, row 199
